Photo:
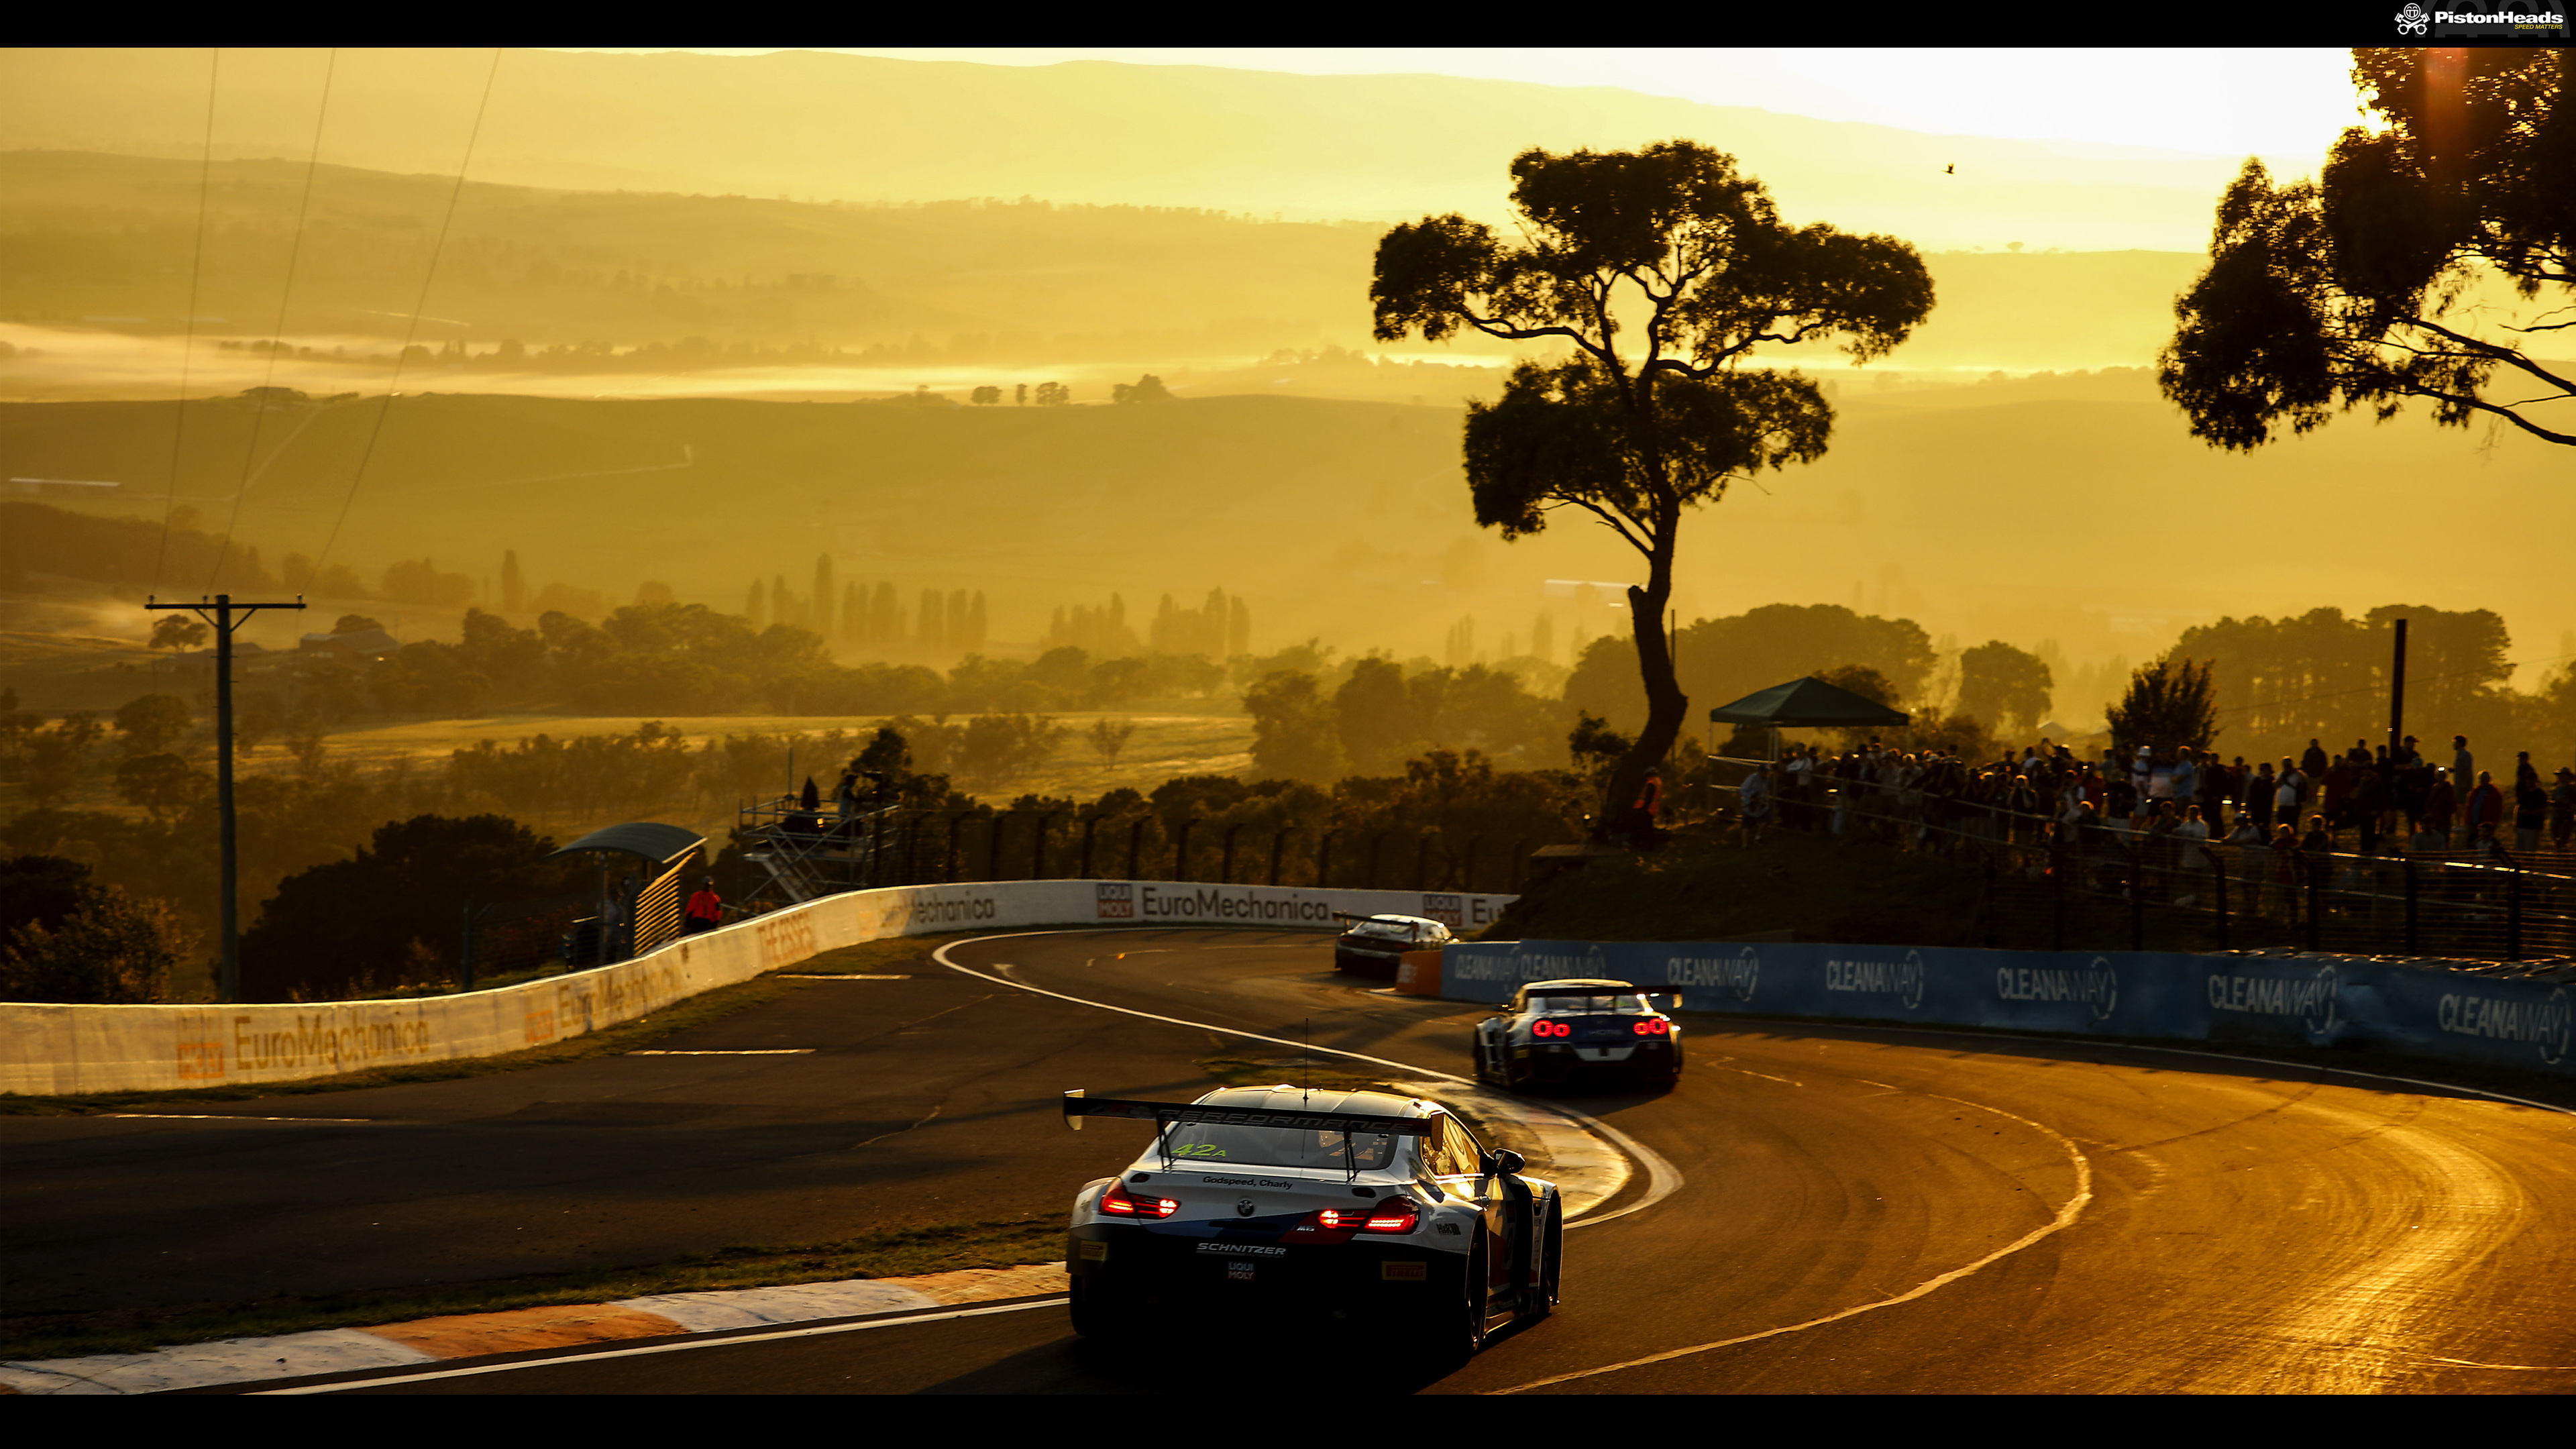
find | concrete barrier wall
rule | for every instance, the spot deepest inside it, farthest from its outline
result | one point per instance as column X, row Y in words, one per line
column 53, row 1050
column 2314, row 1001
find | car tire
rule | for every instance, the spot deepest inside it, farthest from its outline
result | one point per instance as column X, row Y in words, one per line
column 1096, row 1315
column 1468, row 1337
column 1451, row 1328
column 1541, row 1298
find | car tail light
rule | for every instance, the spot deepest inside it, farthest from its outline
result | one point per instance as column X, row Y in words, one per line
column 1119, row 1202
column 1550, row 1029
column 1391, row 1215
column 1653, row 1026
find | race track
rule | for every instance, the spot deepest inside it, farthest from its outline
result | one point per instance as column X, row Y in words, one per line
column 1861, row 1210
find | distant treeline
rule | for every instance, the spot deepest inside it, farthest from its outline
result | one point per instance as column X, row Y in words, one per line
column 687, row 659
column 184, row 558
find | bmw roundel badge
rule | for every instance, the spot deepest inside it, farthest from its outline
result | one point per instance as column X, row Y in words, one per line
column 1243, row 1207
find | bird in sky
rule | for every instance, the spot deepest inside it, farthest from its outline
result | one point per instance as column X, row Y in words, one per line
column 1950, row 170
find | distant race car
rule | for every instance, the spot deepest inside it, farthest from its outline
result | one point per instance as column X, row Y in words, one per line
column 1375, row 945
column 1558, row 1031
column 1383, row 1212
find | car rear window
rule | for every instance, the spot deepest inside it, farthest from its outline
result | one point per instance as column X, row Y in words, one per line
column 1394, row 930
column 1279, row 1146
column 1590, row 1004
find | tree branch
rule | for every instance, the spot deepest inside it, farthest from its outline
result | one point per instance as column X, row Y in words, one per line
column 1612, row 521
column 2494, row 352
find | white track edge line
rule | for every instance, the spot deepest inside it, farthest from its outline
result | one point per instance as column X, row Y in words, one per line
column 2072, row 1209
column 678, row 1347
column 1662, row 1178
column 2139, row 1046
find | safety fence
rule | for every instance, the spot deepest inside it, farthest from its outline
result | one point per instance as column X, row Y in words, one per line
column 2050, row 885
column 802, row 853
column 53, row 1050
column 2416, row 1009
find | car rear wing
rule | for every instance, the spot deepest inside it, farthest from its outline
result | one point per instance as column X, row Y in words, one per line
column 1163, row 1114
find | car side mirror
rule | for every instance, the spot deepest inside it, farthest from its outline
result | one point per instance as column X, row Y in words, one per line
column 1509, row 1163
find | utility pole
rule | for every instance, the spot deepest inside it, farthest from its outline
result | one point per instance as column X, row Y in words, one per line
column 226, row 616
column 2397, row 695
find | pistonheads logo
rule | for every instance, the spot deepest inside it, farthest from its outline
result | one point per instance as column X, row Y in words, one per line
column 2412, row 20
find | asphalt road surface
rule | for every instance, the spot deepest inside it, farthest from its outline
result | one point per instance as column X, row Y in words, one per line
column 1863, row 1210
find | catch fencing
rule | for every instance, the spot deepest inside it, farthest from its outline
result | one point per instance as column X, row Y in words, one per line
column 2047, row 886
column 2415, row 1009
column 55, row 1050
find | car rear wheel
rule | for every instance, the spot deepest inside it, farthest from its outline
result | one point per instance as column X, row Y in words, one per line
column 1540, row 1300
column 1097, row 1315
column 1451, row 1332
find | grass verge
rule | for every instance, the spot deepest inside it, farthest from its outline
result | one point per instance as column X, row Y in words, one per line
column 867, row 958
column 889, row 1253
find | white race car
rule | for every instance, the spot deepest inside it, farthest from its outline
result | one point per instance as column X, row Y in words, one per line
column 1375, row 945
column 1378, row 1210
column 1558, row 1031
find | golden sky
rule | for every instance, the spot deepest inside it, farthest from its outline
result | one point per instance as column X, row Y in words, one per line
column 2215, row 100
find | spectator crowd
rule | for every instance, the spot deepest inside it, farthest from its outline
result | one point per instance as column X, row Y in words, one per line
column 2365, row 800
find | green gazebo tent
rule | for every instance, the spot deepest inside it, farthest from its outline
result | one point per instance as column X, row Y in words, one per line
column 1803, row 704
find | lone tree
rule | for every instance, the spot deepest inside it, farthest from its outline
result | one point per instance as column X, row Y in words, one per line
column 2356, row 289
column 2170, row 704
column 1662, row 269
column 1998, row 682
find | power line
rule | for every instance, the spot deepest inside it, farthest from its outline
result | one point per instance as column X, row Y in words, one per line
column 285, row 294
column 188, row 339
column 412, row 328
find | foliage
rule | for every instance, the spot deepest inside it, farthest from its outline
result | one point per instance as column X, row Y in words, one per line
column 64, row 939
column 162, row 785
column 124, row 550
column 1862, row 680
column 1674, row 243
column 1146, row 389
column 178, row 631
column 1998, row 682
column 393, row 912
column 2171, row 704
column 1295, row 732
column 1596, row 747
column 2355, row 289
column 1725, row 659
column 2323, row 675
column 152, row 722
column 1107, row 737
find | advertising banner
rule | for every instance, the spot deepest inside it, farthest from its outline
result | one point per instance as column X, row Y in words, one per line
column 2311, row 1000
column 51, row 1050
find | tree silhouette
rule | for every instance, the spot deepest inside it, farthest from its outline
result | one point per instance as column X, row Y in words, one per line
column 178, row 631
column 2355, row 289
column 2170, row 704
column 1997, row 681
column 1663, row 269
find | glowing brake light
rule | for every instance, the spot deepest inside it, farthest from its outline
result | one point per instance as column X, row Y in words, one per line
column 1550, row 1028
column 1119, row 1202
column 1653, row 1026
column 1393, row 1215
